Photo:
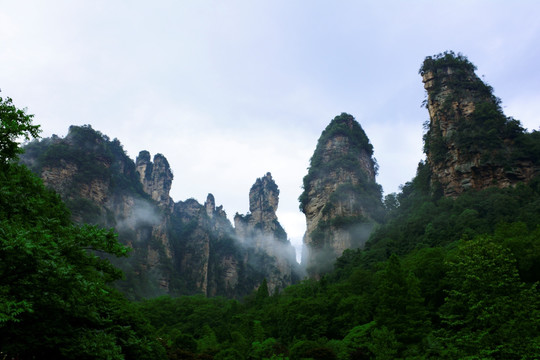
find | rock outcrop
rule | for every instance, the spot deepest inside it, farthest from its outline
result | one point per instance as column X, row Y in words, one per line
column 341, row 199
column 263, row 237
column 156, row 177
column 470, row 143
column 207, row 257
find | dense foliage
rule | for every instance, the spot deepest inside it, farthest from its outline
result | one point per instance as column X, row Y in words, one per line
column 445, row 60
column 15, row 123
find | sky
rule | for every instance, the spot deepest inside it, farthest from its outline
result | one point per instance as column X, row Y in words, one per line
column 231, row 90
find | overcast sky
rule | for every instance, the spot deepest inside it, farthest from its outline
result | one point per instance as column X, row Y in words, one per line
column 230, row 90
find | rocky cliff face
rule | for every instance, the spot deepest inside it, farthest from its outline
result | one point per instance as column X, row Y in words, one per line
column 470, row 144
column 265, row 240
column 100, row 185
column 207, row 256
column 178, row 248
column 341, row 199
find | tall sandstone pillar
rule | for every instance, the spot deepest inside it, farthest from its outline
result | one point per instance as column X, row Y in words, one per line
column 470, row 143
column 341, row 199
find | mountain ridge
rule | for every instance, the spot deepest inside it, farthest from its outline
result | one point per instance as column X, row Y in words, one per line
column 179, row 247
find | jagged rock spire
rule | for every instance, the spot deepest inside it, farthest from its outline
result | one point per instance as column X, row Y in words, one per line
column 264, row 237
column 263, row 204
column 156, row 177
column 210, row 205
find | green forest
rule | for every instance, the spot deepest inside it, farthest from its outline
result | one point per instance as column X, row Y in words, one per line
column 439, row 278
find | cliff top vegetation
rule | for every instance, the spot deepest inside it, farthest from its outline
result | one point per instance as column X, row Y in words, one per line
column 444, row 60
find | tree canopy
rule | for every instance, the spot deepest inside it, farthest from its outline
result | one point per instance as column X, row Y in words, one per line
column 16, row 123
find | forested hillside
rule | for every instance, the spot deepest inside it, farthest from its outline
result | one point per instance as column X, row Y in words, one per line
column 450, row 271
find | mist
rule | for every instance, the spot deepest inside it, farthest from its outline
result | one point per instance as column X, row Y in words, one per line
column 141, row 214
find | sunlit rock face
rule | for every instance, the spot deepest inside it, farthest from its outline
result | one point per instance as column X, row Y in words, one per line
column 265, row 240
column 341, row 199
column 470, row 143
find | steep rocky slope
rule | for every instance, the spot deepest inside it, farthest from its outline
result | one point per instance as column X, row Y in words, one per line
column 470, row 143
column 177, row 248
column 341, row 199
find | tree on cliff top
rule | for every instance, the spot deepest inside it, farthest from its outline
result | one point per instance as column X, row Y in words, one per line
column 446, row 59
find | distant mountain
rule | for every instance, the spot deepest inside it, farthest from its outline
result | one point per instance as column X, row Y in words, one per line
column 177, row 247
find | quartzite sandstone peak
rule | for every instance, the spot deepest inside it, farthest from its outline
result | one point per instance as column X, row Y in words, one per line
column 341, row 199
column 470, row 143
column 264, row 237
column 178, row 248
column 100, row 185
column 156, row 177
